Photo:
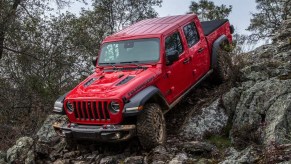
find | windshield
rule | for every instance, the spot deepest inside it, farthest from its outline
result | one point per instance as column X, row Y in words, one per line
column 130, row 51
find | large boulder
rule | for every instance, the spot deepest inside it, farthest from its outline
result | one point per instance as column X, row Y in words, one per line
column 46, row 133
column 209, row 120
column 263, row 112
column 47, row 137
column 266, row 103
column 21, row 151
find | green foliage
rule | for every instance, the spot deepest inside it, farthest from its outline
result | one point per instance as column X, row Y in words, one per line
column 220, row 142
column 269, row 16
column 207, row 10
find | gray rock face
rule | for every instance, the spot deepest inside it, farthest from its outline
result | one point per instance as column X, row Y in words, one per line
column 267, row 102
column 248, row 155
column 211, row 120
column 22, row 151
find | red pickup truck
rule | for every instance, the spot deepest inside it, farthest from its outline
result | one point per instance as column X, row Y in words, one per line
column 141, row 73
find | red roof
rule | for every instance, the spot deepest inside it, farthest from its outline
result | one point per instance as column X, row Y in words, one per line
column 154, row 27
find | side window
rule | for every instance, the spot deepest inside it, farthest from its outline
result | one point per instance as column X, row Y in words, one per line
column 173, row 42
column 191, row 34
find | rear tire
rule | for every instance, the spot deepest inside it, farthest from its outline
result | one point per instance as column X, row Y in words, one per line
column 151, row 126
column 222, row 72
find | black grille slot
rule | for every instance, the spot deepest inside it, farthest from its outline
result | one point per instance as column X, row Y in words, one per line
column 91, row 110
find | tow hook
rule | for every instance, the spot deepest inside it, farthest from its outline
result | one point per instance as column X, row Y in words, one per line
column 58, row 130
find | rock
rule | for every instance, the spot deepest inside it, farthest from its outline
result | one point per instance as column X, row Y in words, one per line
column 46, row 133
column 47, row 137
column 204, row 160
column 71, row 154
column 198, row 148
column 276, row 153
column 2, row 156
column 134, row 160
column 267, row 102
column 179, row 159
column 59, row 161
column 158, row 155
column 248, row 155
column 21, row 151
column 2, row 161
column 30, row 157
column 109, row 160
column 211, row 120
column 57, row 150
column 229, row 101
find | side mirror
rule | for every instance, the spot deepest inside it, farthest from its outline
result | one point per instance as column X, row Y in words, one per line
column 172, row 56
column 94, row 61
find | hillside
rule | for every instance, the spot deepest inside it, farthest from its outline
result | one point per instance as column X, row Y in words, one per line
column 246, row 120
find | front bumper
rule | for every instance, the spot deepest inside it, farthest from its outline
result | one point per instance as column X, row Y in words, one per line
column 105, row 133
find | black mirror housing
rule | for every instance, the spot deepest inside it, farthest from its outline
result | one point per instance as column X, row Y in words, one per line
column 172, row 56
column 94, row 61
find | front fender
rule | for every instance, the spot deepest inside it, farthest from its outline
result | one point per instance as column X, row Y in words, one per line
column 139, row 100
column 59, row 105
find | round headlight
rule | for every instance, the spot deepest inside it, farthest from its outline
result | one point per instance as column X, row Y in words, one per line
column 70, row 107
column 115, row 106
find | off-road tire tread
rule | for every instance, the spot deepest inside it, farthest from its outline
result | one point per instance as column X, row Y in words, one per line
column 145, row 130
column 222, row 58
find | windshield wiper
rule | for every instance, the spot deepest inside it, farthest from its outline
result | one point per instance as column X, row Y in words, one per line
column 133, row 62
column 111, row 64
column 107, row 63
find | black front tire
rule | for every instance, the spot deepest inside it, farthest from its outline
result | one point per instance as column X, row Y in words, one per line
column 151, row 126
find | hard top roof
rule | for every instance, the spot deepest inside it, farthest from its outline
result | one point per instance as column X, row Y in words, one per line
column 150, row 27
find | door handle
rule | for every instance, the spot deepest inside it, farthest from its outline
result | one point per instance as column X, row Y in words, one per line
column 186, row 60
column 200, row 50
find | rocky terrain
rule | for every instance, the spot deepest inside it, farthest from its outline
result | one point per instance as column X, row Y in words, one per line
column 247, row 120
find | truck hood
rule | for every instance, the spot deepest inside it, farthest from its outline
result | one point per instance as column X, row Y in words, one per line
column 110, row 84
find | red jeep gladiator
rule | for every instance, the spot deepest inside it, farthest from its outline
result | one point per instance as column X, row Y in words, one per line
column 141, row 73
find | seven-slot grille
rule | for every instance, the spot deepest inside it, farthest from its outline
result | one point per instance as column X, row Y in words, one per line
column 91, row 110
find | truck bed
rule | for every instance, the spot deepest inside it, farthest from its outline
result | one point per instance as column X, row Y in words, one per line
column 210, row 26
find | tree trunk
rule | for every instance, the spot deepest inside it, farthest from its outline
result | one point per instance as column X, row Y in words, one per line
column 5, row 24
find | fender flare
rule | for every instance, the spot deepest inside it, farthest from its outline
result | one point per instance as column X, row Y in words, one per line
column 215, row 49
column 141, row 98
column 59, row 104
